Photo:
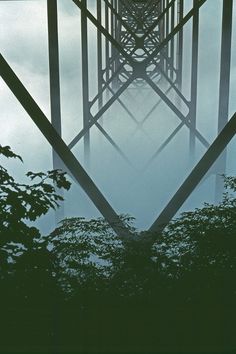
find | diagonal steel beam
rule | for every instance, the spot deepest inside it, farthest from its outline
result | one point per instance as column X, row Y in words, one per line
column 103, row 30
column 173, row 86
column 178, row 112
column 163, row 145
column 150, row 7
column 153, row 108
column 131, row 115
column 106, row 84
column 124, row 23
column 177, row 28
column 191, row 182
column 62, row 150
column 156, row 22
column 94, row 119
column 131, row 14
column 113, row 143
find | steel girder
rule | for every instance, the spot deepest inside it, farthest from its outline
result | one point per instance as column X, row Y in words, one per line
column 139, row 52
column 62, row 150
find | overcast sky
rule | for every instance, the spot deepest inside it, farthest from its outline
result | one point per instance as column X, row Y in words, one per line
column 23, row 42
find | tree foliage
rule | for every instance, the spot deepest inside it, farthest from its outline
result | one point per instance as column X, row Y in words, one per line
column 201, row 239
column 197, row 248
column 85, row 257
column 82, row 264
column 23, row 203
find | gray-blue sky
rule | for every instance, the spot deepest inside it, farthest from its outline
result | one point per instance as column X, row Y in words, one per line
column 23, row 42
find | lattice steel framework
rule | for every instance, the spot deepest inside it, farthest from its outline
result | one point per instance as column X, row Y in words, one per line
column 139, row 46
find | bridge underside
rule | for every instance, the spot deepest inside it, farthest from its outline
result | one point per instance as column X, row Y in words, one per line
column 139, row 46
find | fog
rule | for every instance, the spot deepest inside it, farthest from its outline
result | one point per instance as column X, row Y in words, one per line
column 143, row 189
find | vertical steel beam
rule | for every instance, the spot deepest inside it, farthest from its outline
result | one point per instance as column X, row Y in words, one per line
column 226, row 38
column 172, row 42
column 167, row 31
column 107, row 46
column 54, row 78
column 85, row 82
column 112, row 20
column 162, row 34
column 99, row 56
column 180, row 11
column 117, row 29
column 194, row 74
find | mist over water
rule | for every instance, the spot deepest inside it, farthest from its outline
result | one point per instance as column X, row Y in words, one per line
column 140, row 189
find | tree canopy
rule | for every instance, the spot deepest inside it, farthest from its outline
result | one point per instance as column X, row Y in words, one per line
column 83, row 263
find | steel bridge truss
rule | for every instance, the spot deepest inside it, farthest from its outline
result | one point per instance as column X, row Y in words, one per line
column 139, row 46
